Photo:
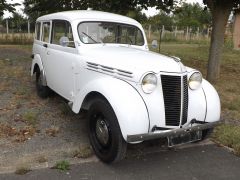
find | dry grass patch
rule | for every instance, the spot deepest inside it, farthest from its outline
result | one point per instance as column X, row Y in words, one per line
column 228, row 135
column 83, row 152
column 53, row 131
column 22, row 170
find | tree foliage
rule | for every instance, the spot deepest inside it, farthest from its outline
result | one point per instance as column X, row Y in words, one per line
column 4, row 6
column 34, row 8
column 186, row 15
column 192, row 15
column 162, row 18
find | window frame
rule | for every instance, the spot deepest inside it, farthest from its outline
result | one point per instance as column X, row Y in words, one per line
column 40, row 32
column 52, row 28
column 118, row 23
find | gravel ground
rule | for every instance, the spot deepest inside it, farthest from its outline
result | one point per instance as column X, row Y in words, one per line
column 33, row 130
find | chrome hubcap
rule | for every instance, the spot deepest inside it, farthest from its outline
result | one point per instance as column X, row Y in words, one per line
column 102, row 131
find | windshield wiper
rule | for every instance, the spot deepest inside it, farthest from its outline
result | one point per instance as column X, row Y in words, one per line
column 90, row 37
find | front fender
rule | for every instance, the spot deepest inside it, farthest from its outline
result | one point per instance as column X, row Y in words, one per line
column 126, row 102
column 213, row 102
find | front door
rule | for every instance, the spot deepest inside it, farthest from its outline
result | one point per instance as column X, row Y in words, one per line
column 62, row 61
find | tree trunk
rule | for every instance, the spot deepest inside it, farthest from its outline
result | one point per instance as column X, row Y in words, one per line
column 220, row 15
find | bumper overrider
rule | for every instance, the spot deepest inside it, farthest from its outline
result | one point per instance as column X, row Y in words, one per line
column 191, row 127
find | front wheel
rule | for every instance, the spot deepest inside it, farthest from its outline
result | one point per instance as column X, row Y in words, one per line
column 104, row 132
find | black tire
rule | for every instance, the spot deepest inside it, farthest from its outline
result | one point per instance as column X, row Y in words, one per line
column 102, row 116
column 42, row 91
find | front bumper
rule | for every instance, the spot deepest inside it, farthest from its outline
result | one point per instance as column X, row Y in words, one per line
column 167, row 133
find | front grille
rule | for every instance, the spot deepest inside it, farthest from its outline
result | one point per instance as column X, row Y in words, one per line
column 172, row 94
column 185, row 100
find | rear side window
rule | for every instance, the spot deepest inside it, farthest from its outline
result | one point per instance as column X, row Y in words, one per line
column 45, row 31
column 61, row 29
column 37, row 30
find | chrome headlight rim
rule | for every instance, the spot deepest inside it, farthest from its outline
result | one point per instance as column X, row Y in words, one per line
column 195, row 80
column 150, row 83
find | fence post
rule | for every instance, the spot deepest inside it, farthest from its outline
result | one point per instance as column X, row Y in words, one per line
column 198, row 33
column 149, row 31
column 187, row 34
column 7, row 25
column 175, row 32
column 28, row 28
column 208, row 31
column 162, row 31
column 160, row 38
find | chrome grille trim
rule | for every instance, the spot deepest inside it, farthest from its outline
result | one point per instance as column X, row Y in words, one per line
column 175, row 95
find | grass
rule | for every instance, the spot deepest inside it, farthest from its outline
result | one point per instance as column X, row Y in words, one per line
column 62, row 166
column 228, row 135
column 30, row 117
column 16, row 38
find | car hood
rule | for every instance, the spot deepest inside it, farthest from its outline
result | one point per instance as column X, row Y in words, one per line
column 134, row 61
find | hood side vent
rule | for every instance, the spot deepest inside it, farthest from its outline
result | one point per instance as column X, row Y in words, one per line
column 109, row 70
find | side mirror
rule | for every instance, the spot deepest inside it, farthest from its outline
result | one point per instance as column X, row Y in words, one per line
column 154, row 44
column 64, row 41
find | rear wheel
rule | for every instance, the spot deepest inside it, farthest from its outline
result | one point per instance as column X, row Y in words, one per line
column 104, row 132
column 42, row 91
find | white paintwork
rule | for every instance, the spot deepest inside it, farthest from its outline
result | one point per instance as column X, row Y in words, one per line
column 69, row 74
column 132, row 115
column 212, row 101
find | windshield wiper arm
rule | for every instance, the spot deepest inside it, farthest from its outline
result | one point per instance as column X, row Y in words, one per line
column 90, row 37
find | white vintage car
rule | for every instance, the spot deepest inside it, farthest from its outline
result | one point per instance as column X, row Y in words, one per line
column 101, row 62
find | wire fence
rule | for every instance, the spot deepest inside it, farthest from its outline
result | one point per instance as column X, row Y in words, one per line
column 11, row 33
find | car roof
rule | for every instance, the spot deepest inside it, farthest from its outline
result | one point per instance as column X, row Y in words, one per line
column 87, row 14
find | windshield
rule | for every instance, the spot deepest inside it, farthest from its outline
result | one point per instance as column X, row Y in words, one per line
column 110, row 32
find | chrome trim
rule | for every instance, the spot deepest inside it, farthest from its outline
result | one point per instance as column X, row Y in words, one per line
column 166, row 133
column 181, row 111
column 111, row 70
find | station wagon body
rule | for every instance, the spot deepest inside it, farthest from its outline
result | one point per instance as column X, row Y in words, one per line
column 101, row 62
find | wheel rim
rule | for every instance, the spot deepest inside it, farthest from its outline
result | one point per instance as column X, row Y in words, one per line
column 102, row 131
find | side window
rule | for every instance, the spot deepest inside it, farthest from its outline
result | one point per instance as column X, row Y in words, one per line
column 37, row 30
column 62, row 29
column 45, row 31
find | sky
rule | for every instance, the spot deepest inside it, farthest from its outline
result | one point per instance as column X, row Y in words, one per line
column 149, row 12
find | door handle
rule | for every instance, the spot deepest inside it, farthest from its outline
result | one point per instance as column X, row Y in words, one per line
column 45, row 45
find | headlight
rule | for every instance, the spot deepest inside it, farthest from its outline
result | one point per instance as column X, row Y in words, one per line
column 195, row 80
column 149, row 83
